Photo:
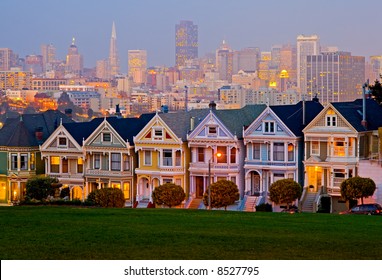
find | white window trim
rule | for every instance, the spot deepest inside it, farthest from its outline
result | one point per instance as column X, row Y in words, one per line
column 144, row 158
column 311, row 148
column 269, row 126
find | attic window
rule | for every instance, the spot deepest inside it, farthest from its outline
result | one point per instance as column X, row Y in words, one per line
column 106, row 137
column 158, row 134
column 331, row 120
column 212, row 130
column 269, row 127
column 62, row 142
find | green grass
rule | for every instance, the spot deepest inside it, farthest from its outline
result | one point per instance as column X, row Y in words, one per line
column 44, row 232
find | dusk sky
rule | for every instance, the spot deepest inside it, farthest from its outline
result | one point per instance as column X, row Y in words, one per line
column 352, row 25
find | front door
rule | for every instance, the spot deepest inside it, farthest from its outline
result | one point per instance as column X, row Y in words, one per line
column 199, row 186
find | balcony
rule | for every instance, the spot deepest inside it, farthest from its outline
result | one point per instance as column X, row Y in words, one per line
column 197, row 166
column 106, row 173
column 271, row 163
column 66, row 175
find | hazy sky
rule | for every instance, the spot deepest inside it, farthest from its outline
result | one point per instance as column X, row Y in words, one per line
column 352, row 25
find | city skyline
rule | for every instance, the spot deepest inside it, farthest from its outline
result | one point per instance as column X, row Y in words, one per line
column 150, row 25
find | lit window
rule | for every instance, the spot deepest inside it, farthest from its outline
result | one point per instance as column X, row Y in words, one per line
column 339, row 147
column 233, row 155
column 221, row 154
column 290, row 152
column 315, row 148
column 55, row 164
column 80, row 165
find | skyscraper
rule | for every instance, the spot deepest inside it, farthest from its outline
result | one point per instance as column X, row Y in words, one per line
column 224, row 62
column 137, row 62
column 74, row 61
column 48, row 53
column 335, row 77
column 113, row 54
column 306, row 45
column 8, row 59
column 186, row 42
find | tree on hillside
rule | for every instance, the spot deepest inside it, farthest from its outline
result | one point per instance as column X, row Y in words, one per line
column 223, row 193
column 168, row 194
column 285, row 191
column 356, row 188
column 376, row 91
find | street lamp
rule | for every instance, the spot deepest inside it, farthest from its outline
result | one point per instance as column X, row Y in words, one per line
column 209, row 180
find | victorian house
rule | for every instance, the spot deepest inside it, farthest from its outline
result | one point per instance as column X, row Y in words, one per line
column 217, row 149
column 274, row 148
column 342, row 142
column 20, row 157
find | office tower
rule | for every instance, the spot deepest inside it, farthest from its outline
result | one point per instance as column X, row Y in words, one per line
column 335, row 77
column 186, row 42
column 375, row 68
column 8, row 59
column 113, row 54
column 288, row 64
column 224, row 62
column 246, row 59
column 48, row 53
column 74, row 61
column 306, row 45
column 137, row 64
column 275, row 56
column 34, row 64
column 102, row 69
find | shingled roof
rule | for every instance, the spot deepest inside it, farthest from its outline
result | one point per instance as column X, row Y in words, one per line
column 20, row 131
column 352, row 112
column 292, row 115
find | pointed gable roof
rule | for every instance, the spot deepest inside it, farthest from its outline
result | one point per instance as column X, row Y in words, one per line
column 352, row 112
column 292, row 115
column 20, row 132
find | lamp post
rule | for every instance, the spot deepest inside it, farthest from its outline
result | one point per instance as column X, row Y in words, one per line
column 209, row 180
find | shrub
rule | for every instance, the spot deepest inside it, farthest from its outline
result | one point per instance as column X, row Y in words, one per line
column 265, row 207
column 41, row 187
column 65, row 192
column 223, row 193
column 168, row 194
column 109, row 197
column 357, row 187
column 285, row 191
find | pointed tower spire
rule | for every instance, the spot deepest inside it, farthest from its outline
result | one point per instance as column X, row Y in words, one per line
column 113, row 54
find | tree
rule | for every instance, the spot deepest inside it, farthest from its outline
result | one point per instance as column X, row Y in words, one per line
column 107, row 197
column 41, row 187
column 285, row 191
column 223, row 193
column 376, row 91
column 168, row 194
column 356, row 188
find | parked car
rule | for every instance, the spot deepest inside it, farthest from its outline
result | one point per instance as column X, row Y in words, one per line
column 365, row 209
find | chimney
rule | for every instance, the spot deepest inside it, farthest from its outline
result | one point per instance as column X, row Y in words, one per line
column 303, row 112
column 39, row 133
column 212, row 105
column 118, row 111
column 192, row 123
column 68, row 113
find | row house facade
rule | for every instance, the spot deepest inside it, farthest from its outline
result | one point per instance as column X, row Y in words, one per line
column 342, row 142
column 274, row 147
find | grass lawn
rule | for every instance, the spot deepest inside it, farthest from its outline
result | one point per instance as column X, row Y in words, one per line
column 44, row 232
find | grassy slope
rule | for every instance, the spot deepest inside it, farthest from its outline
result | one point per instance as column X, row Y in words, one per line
column 89, row 233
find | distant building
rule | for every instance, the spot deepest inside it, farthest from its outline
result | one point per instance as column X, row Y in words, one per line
column 74, row 61
column 48, row 52
column 113, row 54
column 34, row 64
column 137, row 64
column 43, row 84
column 186, row 42
column 102, row 69
column 306, row 45
column 224, row 62
column 8, row 59
column 82, row 98
column 335, row 77
column 15, row 80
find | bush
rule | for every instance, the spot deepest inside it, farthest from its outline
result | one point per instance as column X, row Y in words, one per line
column 109, row 197
column 40, row 188
column 265, row 207
column 223, row 193
column 65, row 192
column 168, row 194
column 285, row 191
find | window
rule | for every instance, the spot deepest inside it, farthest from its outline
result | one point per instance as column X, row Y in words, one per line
column 200, row 154
column 178, row 158
column 167, row 157
column 147, row 159
column 233, row 155
column 269, row 127
column 97, row 161
column 278, row 151
column 62, row 142
column 256, row 151
column 116, row 162
column 315, row 148
column 126, row 162
column 54, row 164
column 80, row 165
column 339, row 147
column 24, row 162
column 331, row 120
column 212, row 130
column 106, row 137
column 223, row 154
column 13, row 161
column 290, row 152
column 158, row 134
column 278, row 176
column 65, row 165
column 126, row 190
column 32, row 161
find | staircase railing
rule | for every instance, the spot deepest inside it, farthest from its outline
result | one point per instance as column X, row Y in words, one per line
column 303, row 197
column 317, row 199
